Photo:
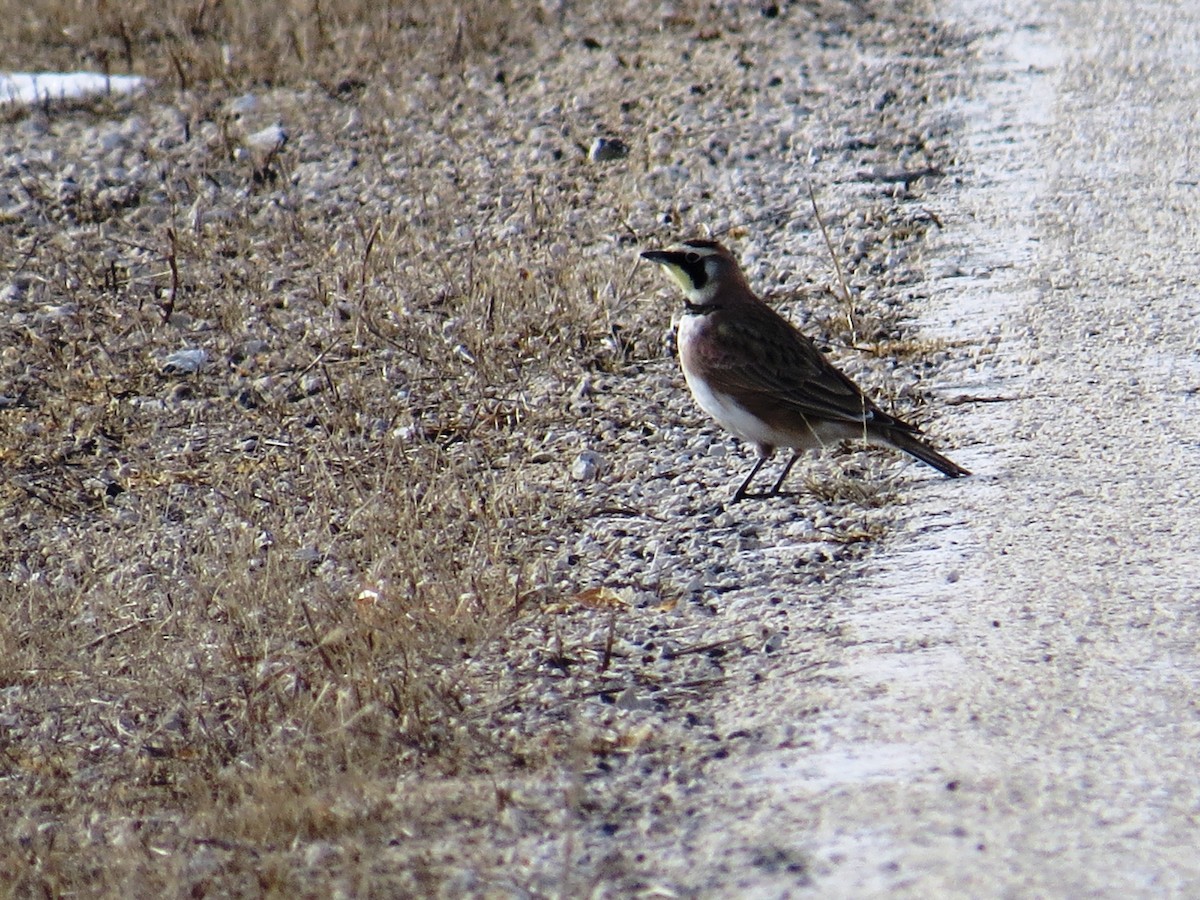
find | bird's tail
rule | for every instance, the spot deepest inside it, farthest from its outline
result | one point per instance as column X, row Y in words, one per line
column 910, row 443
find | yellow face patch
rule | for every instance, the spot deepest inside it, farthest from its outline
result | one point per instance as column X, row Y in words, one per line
column 680, row 277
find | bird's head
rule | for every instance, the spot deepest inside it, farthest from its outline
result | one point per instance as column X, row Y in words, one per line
column 701, row 268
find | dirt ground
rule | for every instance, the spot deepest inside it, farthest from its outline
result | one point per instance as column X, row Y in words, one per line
column 360, row 538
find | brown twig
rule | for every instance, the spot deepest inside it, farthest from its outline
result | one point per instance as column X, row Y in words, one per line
column 168, row 308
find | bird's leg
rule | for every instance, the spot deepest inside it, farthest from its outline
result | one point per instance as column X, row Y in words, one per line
column 740, row 493
column 784, row 474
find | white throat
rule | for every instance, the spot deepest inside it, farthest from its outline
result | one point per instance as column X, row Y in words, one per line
column 702, row 297
column 696, row 296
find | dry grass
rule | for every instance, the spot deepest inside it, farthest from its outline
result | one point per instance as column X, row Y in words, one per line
column 201, row 44
column 187, row 646
column 246, row 608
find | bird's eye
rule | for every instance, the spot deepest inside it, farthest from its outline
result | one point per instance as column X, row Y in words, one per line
column 691, row 256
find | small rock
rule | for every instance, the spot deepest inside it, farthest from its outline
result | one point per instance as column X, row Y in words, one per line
column 268, row 141
column 321, row 854
column 630, row 700
column 240, row 106
column 248, row 349
column 185, row 362
column 587, row 466
column 608, row 149
column 14, row 291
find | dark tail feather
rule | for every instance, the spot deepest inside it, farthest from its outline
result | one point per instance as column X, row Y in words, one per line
column 910, row 443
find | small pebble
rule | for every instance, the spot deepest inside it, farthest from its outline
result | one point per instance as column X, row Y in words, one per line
column 608, row 149
column 269, row 140
column 185, row 362
column 630, row 700
column 587, row 466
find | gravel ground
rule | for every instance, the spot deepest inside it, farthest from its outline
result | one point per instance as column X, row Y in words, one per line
column 731, row 641
column 622, row 735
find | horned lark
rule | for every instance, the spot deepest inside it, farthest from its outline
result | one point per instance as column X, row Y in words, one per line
column 760, row 378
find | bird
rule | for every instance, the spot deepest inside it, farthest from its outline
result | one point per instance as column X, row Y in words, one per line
column 750, row 369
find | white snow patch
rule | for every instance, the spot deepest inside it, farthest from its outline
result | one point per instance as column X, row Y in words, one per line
column 35, row 87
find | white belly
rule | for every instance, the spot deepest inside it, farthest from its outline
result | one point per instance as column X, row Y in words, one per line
column 733, row 417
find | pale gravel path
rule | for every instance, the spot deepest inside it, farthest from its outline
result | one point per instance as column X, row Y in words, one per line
column 1016, row 714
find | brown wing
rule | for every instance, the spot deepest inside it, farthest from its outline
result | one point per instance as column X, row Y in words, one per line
column 782, row 368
